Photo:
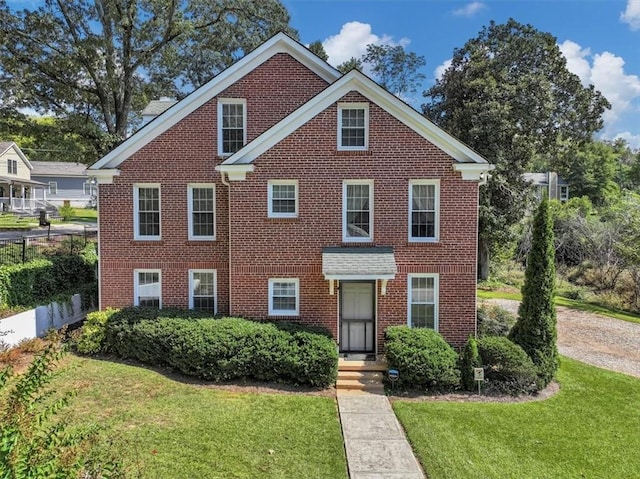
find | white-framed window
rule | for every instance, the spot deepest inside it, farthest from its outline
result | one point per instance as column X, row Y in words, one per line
column 201, row 199
column 86, row 188
column 203, row 293
column 424, row 210
column 12, row 167
column 282, row 197
column 232, row 125
column 357, row 211
column 146, row 212
column 564, row 193
column 422, row 292
column 53, row 187
column 147, row 287
column 353, row 126
column 284, row 296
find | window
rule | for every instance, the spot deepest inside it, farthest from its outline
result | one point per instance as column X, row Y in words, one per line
column 12, row 167
column 423, row 301
column 202, row 290
column 147, row 288
column 232, row 125
column 357, row 211
column 202, row 212
column 146, row 202
column 353, row 126
column 424, row 210
column 564, row 193
column 53, row 187
column 283, row 199
column 284, row 296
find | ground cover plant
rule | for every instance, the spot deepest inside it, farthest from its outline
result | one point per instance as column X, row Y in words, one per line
column 588, row 429
column 171, row 427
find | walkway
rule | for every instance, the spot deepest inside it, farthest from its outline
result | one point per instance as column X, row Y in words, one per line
column 374, row 440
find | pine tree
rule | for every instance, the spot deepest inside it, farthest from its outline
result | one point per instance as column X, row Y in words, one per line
column 535, row 329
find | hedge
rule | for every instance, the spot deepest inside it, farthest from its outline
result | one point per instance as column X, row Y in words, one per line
column 214, row 349
column 507, row 368
column 423, row 359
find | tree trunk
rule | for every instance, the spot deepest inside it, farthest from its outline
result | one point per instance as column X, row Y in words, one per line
column 483, row 258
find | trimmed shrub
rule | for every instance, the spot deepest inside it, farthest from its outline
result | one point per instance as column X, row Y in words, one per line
column 468, row 360
column 90, row 338
column 423, row 359
column 494, row 320
column 507, row 368
column 220, row 349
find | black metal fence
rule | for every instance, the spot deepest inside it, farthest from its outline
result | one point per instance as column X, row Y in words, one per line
column 27, row 248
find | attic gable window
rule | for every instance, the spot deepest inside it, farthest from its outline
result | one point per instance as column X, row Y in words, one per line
column 12, row 167
column 232, row 125
column 353, row 126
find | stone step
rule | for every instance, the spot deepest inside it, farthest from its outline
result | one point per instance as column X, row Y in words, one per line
column 358, row 385
column 362, row 375
column 346, row 365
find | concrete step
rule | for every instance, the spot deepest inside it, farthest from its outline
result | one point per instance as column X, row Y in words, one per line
column 358, row 385
column 345, row 365
column 362, row 375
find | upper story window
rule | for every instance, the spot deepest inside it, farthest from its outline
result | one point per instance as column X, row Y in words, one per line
column 283, row 199
column 423, row 301
column 353, row 126
column 424, row 206
column 232, row 125
column 202, row 212
column 357, row 211
column 146, row 211
column 147, row 288
column 12, row 167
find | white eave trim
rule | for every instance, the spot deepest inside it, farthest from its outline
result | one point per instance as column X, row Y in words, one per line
column 356, row 81
column 358, row 277
column 280, row 43
column 104, row 176
column 235, row 172
column 473, row 171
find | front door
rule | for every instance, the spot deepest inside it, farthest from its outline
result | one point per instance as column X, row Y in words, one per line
column 357, row 317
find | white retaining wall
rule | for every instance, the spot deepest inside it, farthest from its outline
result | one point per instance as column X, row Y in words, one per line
column 36, row 322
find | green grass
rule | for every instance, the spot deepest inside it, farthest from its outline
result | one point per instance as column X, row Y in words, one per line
column 172, row 429
column 590, row 429
column 566, row 302
column 85, row 214
column 9, row 221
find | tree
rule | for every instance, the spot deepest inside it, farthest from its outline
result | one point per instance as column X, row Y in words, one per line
column 317, row 49
column 535, row 330
column 92, row 63
column 394, row 68
column 508, row 95
column 351, row 64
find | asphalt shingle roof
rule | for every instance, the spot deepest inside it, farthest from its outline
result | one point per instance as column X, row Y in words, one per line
column 346, row 262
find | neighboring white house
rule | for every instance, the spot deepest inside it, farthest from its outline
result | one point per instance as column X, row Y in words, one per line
column 18, row 191
column 548, row 184
column 65, row 182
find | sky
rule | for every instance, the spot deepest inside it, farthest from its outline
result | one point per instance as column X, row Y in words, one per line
column 599, row 38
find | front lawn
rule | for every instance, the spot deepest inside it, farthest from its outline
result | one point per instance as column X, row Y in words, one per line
column 175, row 429
column 590, row 429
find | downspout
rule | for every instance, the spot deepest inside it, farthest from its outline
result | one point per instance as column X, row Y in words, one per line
column 226, row 183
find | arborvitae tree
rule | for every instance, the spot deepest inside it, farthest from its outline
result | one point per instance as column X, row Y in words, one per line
column 535, row 329
column 469, row 359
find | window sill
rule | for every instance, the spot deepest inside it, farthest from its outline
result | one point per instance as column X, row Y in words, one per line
column 277, row 315
column 199, row 242
column 283, row 219
column 424, row 243
column 147, row 242
column 366, row 152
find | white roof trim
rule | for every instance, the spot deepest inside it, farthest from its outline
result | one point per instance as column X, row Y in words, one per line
column 104, row 176
column 473, row 171
column 22, row 156
column 235, row 172
column 354, row 80
column 279, row 43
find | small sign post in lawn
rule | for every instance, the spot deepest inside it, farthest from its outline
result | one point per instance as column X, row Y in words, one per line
column 478, row 375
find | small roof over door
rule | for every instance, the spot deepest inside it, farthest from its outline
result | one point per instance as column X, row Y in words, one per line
column 358, row 263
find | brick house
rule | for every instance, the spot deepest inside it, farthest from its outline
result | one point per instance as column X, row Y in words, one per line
column 285, row 190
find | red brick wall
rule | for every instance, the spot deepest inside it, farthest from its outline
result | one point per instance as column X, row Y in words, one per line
column 265, row 247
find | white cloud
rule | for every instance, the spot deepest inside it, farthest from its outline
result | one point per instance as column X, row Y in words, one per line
column 632, row 14
column 632, row 140
column 352, row 42
column 606, row 72
column 439, row 71
column 470, row 9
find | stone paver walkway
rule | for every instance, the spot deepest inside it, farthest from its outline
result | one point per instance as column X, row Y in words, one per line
column 375, row 443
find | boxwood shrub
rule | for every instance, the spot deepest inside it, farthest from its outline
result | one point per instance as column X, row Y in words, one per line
column 507, row 368
column 216, row 349
column 424, row 360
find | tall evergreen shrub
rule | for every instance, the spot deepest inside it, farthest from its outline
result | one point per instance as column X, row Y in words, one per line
column 535, row 330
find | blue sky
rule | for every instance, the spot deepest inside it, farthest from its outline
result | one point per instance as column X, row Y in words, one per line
column 599, row 38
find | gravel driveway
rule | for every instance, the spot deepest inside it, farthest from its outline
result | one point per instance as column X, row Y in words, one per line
column 593, row 339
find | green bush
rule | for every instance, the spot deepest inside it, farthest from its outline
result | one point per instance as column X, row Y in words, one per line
column 90, row 338
column 507, row 368
column 222, row 349
column 67, row 212
column 494, row 320
column 469, row 359
column 423, row 359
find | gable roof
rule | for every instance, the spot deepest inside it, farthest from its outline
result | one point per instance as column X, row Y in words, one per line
column 355, row 81
column 7, row 145
column 58, row 168
column 156, row 107
column 280, row 43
